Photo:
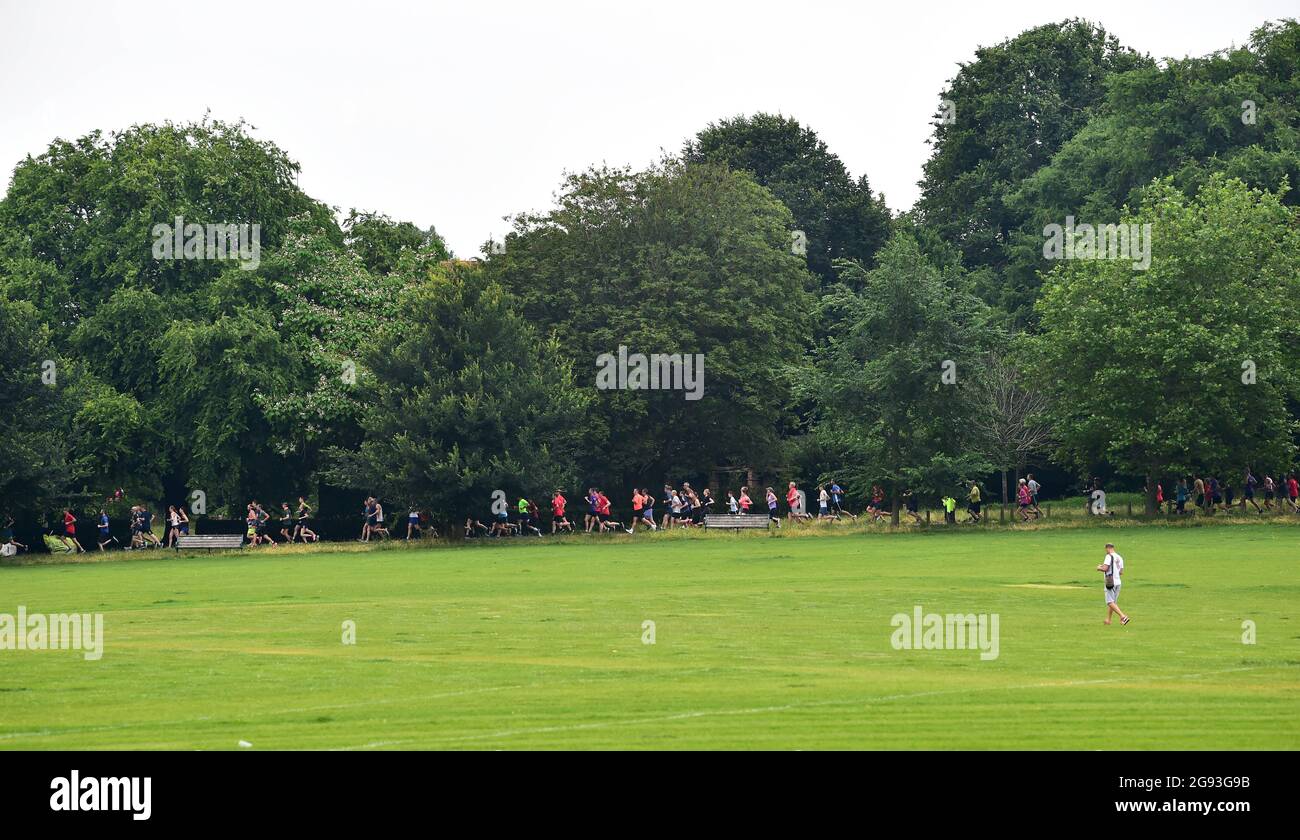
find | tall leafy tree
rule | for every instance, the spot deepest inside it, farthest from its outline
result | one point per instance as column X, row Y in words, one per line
column 836, row 214
column 113, row 441
column 157, row 339
column 1233, row 112
column 34, row 468
column 329, row 309
column 88, row 207
column 682, row 258
column 882, row 398
column 467, row 399
column 1188, row 365
column 213, row 372
column 1013, row 108
column 380, row 242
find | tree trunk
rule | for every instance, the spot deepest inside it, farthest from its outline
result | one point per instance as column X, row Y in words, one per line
column 1152, row 510
column 893, row 503
column 1004, row 486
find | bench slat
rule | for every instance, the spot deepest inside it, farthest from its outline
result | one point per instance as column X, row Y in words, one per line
column 736, row 521
column 210, row 541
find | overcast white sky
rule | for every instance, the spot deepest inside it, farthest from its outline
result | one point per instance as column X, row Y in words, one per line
column 456, row 115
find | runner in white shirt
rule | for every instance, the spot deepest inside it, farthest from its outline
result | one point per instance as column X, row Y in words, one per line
column 1112, row 564
column 1034, row 487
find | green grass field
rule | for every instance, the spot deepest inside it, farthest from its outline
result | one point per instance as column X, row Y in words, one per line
column 760, row 642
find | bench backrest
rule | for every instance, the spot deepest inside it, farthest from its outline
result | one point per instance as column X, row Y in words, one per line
column 738, row 520
column 210, row 541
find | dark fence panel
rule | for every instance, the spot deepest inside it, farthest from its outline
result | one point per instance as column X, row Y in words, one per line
column 329, row 528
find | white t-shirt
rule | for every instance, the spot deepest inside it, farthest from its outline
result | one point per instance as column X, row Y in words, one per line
column 1116, row 564
column 1033, row 486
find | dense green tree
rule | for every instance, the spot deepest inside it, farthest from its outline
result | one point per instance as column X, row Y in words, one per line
column 118, row 339
column 212, row 373
column 329, row 308
column 1187, row 365
column 892, row 392
column 380, row 242
column 158, row 338
column 838, row 215
column 1187, row 120
column 88, row 207
column 683, row 258
column 113, row 440
column 38, row 282
column 467, row 399
column 1014, row 107
column 176, row 375
column 1234, row 112
column 33, row 469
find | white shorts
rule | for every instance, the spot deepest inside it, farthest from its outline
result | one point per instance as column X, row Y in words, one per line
column 1112, row 595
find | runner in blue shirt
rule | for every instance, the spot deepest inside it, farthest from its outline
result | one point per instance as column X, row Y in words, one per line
column 837, row 495
column 105, row 537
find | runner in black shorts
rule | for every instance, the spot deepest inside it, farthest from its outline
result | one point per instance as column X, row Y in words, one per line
column 287, row 528
column 304, row 511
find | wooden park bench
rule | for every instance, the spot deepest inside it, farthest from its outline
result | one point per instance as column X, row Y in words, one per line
column 210, row 541
column 735, row 520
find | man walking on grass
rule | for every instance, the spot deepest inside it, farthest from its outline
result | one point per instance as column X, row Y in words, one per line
column 1112, row 566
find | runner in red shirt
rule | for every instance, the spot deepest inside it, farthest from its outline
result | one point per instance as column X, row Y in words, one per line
column 792, row 499
column 601, row 504
column 70, row 533
column 557, row 513
column 603, row 513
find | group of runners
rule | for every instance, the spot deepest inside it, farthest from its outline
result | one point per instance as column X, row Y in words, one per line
column 1209, row 494
column 680, row 507
column 417, row 522
column 684, row 507
column 675, row 507
column 293, row 524
column 141, row 528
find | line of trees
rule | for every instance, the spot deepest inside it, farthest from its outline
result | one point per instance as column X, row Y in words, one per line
column 360, row 357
